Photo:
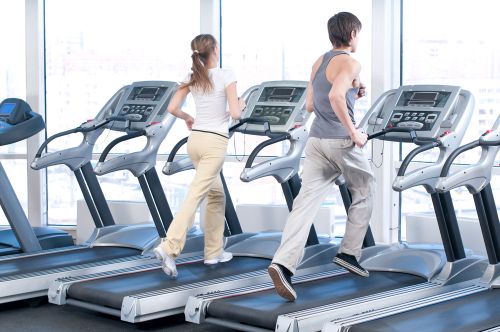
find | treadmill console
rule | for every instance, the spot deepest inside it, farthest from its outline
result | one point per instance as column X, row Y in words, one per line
column 430, row 110
column 143, row 103
column 18, row 121
column 281, row 103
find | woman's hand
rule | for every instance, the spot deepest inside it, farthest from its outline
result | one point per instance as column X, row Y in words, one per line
column 189, row 122
column 242, row 105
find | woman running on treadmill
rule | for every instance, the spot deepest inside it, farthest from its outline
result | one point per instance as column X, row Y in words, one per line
column 334, row 147
column 213, row 89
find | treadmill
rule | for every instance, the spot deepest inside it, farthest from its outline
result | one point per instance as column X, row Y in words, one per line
column 18, row 122
column 475, row 308
column 276, row 110
column 429, row 116
column 139, row 107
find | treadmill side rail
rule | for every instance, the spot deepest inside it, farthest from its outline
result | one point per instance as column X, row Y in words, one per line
column 58, row 289
column 195, row 309
column 445, row 293
column 314, row 318
column 24, row 286
column 151, row 305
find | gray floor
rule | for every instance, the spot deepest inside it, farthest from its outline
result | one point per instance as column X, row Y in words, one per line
column 42, row 317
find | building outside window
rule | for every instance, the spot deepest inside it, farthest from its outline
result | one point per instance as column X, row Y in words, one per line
column 13, row 85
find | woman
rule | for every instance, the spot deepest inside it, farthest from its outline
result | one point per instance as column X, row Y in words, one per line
column 213, row 88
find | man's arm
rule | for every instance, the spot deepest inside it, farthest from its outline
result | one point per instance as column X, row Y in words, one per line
column 348, row 71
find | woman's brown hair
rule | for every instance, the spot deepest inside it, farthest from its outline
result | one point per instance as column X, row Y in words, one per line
column 202, row 46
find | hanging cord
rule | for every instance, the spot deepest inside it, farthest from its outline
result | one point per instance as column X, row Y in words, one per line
column 244, row 146
column 381, row 154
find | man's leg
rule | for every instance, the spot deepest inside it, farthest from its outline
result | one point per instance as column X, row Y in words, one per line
column 359, row 178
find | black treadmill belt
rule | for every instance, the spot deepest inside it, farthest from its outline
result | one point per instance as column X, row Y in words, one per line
column 476, row 312
column 110, row 291
column 8, row 250
column 263, row 308
column 62, row 259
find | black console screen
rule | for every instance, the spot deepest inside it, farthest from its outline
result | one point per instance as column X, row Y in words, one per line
column 147, row 93
column 6, row 109
column 281, row 94
column 424, row 98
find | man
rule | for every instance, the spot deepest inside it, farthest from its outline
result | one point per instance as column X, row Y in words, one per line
column 334, row 147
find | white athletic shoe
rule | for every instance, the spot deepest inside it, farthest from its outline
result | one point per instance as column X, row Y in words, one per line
column 167, row 262
column 223, row 257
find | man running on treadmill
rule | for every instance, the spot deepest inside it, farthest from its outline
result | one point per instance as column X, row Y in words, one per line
column 334, row 147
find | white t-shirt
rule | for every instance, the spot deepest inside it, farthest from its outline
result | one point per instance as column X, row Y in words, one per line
column 211, row 108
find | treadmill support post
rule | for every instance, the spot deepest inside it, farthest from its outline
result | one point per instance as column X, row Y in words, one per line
column 488, row 220
column 16, row 216
column 154, row 194
column 448, row 226
column 93, row 195
column 232, row 225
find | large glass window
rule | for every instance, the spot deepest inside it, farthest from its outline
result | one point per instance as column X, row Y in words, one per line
column 280, row 40
column 93, row 48
column 457, row 45
column 13, row 85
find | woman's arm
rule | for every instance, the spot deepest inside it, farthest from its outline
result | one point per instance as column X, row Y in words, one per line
column 236, row 105
column 174, row 107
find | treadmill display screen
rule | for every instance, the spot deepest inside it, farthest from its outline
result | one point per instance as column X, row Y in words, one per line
column 147, row 93
column 6, row 109
column 424, row 98
column 281, row 94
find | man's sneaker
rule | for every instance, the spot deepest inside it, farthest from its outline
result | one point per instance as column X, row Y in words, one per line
column 223, row 257
column 350, row 263
column 167, row 262
column 282, row 282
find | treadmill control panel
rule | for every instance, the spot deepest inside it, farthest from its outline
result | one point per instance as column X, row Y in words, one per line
column 280, row 103
column 430, row 110
column 143, row 103
column 412, row 109
column 18, row 121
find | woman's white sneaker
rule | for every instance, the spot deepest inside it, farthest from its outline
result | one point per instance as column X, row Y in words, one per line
column 167, row 263
column 223, row 257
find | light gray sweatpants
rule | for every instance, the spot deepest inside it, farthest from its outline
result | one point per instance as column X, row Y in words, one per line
column 327, row 159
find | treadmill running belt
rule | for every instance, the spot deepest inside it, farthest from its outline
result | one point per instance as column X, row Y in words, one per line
column 263, row 308
column 110, row 291
column 62, row 259
column 476, row 312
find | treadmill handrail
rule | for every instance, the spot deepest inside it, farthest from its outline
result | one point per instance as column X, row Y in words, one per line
column 118, row 140
column 53, row 137
column 264, row 122
column 176, row 148
column 455, row 154
column 183, row 141
column 489, row 143
column 261, row 146
column 80, row 129
column 414, row 153
column 413, row 135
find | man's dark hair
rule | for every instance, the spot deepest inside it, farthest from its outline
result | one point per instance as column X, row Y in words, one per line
column 340, row 27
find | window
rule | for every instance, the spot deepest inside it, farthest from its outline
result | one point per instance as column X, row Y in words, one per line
column 466, row 55
column 93, row 48
column 13, row 85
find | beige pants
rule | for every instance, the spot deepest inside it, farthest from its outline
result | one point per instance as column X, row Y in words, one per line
column 326, row 159
column 207, row 152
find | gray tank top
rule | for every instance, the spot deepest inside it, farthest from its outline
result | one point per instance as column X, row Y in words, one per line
column 326, row 124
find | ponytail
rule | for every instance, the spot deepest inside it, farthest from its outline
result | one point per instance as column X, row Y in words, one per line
column 202, row 46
